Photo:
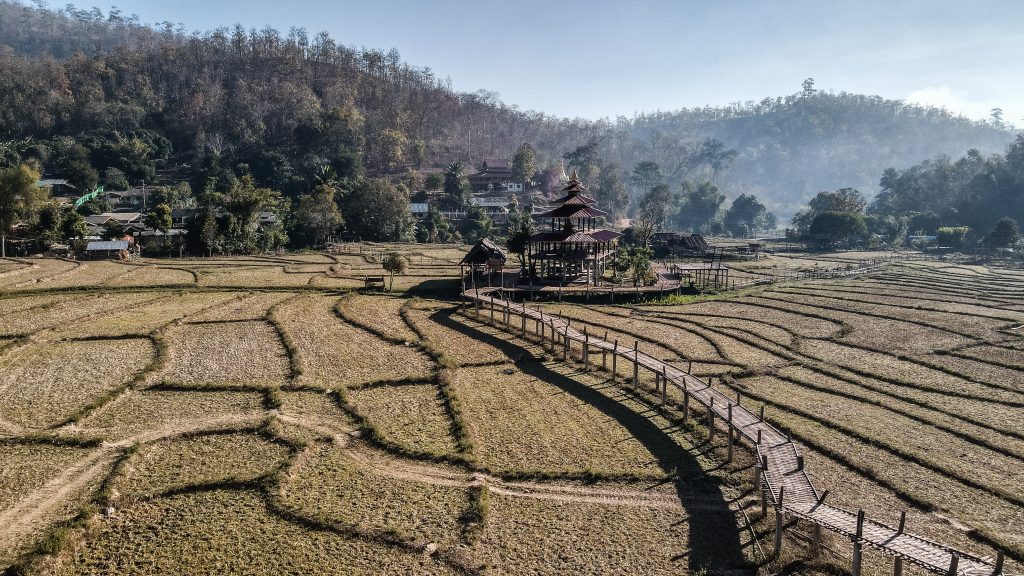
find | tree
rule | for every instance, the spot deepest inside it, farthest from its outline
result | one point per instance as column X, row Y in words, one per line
column 835, row 228
column 699, row 206
column 747, row 215
column 639, row 258
column 456, row 185
column 48, row 222
column 318, row 213
column 952, row 236
column 244, row 202
column 419, row 153
column 112, row 230
column 842, row 200
column 610, row 192
column 434, row 181
column 475, row 225
column 434, row 227
column 1005, row 233
column 391, row 146
column 394, row 263
column 520, row 231
column 159, row 219
column 72, row 225
column 523, row 163
column 20, row 198
column 652, row 212
column 114, row 179
column 377, row 210
column 646, row 174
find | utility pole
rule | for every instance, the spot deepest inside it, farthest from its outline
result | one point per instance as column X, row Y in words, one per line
column 143, row 195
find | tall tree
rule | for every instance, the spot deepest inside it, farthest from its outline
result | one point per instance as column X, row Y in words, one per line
column 377, row 210
column 20, row 198
column 523, row 163
column 159, row 218
column 456, row 185
column 699, row 206
column 646, row 175
column 746, row 216
column 652, row 212
column 611, row 193
column 318, row 213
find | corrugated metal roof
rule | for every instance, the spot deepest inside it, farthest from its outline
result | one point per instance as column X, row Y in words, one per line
column 107, row 245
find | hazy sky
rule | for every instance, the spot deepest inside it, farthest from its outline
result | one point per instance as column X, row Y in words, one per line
column 597, row 58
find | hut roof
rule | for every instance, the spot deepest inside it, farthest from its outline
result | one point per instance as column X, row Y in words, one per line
column 107, row 245
column 573, row 211
column 482, row 252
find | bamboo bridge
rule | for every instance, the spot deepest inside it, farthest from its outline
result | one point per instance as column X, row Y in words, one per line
column 780, row 472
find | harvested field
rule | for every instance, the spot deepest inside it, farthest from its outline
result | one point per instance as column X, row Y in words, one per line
column 143, row 319
column 229, row 532
column 154, row 276
column 253, row 306
column 63, row 312
column 44, row 384
column 550, row 537
column 192, row 461
column 381, row 313
column 334, row 488
column 28, row 467
column 34, row 274
column 335, row 354
column 411, row 416
column 139, row 411
column 441, row 330
column 244, row 353
column 520, row 422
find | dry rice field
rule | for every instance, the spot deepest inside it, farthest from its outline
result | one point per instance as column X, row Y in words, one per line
column 264, row 415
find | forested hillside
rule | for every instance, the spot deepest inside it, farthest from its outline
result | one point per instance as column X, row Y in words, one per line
column 156, row 102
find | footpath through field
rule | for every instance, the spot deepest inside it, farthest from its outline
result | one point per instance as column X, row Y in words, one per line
column 781, row 474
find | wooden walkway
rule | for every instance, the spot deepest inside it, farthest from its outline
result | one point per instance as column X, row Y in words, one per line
column 780, row 474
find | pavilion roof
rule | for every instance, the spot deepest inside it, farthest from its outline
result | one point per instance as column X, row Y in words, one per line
column 573, row 211
column 592, row 237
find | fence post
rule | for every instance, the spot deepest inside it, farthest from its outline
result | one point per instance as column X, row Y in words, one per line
column 728, row 457
column 857, row 546
column 636, row 363
column 711, row 419
column 604, row 353
column 664, row 385
column 586, row 350
column 615, row 359
column 778, row 522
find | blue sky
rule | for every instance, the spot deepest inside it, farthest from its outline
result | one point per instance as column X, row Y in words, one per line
column 605, row 58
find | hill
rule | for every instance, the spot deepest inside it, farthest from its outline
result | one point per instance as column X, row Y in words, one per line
column 284, row 104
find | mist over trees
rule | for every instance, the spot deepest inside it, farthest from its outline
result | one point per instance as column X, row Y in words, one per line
column 100, row 99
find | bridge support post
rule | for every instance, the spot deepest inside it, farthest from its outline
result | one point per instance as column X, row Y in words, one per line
column 778, row 531
column 897, row 566
column 524, row 320
column 636, row 363
column 657, row 381
column 686, row 405
column 492, row 310
column 857, row 544
column 586, row 350
column 615, row 360
column 816, row 540
column 728, row 457
column 664, row 385
column 711, row 419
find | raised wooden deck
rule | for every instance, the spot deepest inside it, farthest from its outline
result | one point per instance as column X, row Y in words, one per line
column 782, row 476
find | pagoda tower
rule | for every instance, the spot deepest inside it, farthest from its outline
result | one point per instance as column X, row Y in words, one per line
column 572, row 249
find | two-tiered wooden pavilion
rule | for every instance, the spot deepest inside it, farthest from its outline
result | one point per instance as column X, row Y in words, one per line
column 573, row 249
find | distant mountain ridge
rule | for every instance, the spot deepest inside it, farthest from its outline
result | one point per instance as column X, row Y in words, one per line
column 284, row 104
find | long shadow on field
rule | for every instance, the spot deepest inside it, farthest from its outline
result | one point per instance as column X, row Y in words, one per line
column 714, row 542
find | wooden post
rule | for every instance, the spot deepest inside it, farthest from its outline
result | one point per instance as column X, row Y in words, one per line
column 903, row 522
column 728, row 457
column 954, row 563
column 492, row 310
column 711, row 419
column 586, row 350
column 778, row 525
column 689, row 367
column 999, row 564
column 664, row 384
column 524, row 319
column 686, row 405
column 761, row 416
column 897, row 566
column 615, row 359
column 565, row 344
column 857, row 545
column 636, row 363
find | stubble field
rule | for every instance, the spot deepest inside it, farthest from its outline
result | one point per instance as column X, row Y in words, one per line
column 254, row 415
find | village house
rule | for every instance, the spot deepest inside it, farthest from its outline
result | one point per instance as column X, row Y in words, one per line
column 495, row 176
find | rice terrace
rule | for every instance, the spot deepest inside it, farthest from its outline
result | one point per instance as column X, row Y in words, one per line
column 269, row 414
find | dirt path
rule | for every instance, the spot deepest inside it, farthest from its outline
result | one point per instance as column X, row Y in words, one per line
column 390, row 466
column 37, row 509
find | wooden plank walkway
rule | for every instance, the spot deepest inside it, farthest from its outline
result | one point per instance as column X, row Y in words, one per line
column 781, row 474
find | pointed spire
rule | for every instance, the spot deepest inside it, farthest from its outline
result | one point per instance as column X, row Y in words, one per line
column 574, row 176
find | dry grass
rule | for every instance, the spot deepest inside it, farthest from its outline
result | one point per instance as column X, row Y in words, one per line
column 42, row 385
column 411, row 416
column 380, row 313
column 142, row 319
column 334, row 353
column 332, row 488
column 251, row 276
column 226, row 532
column 18, row 303
column 139, row 411
column 65, row 311
column 191, row 461
column 525, row 536
column 440, row 327
column 226, row 354
column 519, row 422
column 980, row 370
column 28, row 467
column 996, row 355
column 251, row 307
column 36, row 274
column 154, row 276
